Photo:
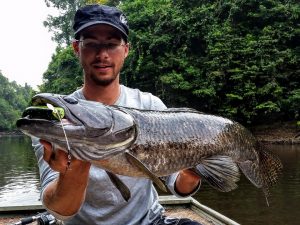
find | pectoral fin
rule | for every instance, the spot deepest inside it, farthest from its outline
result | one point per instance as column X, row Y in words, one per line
column 124, row 190
column 136, row 162
column 221, row 172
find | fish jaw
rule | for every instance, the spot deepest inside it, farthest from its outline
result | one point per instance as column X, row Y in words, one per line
column 50, row 131
column 95, row 131
column 94, row 116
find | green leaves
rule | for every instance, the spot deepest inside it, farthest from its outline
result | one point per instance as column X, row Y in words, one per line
column 61, row 25
column 239, row 59
column 13, row 100
column 235, row 58
column 64, row 73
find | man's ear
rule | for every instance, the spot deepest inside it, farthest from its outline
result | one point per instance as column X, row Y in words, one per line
column 75, row 45
column 127, row 48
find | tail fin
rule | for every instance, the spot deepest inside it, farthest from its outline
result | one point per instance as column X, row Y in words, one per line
column 270, row 168
column 263, row 173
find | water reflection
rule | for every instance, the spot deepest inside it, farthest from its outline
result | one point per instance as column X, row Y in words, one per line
column 19, row 180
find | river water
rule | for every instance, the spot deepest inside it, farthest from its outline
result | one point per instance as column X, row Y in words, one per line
column 19, row 185
column 19, row 179
column 247, row 204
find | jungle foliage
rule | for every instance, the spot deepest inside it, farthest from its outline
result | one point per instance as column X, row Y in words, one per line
column 239, row 59
column 61, row 25
column 13, row 100
column 64, row 74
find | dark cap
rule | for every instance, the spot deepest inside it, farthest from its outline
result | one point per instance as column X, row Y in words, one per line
column 100, row 14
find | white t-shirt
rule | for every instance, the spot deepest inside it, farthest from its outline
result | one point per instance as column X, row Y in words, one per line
column 103, row 202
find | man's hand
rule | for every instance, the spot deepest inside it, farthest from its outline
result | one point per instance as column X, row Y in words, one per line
column 186, row 182
column 65, row 194
column 58, row 159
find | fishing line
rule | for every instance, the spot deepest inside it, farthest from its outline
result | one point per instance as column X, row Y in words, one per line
column 68, row 146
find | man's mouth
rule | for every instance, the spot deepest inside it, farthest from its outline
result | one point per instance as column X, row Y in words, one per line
column 101, row 65
column 103, row 68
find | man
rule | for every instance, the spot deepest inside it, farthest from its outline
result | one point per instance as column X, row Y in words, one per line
column 83, row 194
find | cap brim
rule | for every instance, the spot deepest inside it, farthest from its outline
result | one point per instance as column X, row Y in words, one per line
column 99, row 22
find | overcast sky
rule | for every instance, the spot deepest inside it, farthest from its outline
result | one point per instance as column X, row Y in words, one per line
column 25, row 44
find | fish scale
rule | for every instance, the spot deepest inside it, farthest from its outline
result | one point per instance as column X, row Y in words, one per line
column 170, row 142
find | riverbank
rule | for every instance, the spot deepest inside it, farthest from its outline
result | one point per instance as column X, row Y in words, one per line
column 277, row 133
column 10, row 133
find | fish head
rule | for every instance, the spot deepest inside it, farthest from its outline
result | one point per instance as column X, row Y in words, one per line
column 86, row 124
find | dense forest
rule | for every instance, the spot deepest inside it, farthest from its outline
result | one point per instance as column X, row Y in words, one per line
column 13, row 100
column 239, row 59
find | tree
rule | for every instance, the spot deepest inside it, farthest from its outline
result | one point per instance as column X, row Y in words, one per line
column 239, row 59
column 61, row 25
column 64, row 73
column 13, row 100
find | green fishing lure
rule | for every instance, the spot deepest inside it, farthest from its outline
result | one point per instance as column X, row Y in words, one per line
column 57, row 112
column 44, row 112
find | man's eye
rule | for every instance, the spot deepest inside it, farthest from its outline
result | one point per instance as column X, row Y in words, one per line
column 111, row 45
column 91, row 45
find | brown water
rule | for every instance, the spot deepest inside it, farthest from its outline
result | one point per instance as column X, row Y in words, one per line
column 19, row 184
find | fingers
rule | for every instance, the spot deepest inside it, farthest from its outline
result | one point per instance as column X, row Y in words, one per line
column 47, row 150
column 58, row 159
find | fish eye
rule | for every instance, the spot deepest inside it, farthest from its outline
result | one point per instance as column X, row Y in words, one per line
column 70, row 100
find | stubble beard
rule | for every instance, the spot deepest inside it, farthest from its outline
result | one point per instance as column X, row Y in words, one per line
column 100, row 80
column 103, row 82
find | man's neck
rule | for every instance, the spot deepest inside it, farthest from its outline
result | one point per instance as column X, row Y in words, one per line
column 105, row 94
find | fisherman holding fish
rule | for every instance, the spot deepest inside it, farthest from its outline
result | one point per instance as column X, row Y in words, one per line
column 84, row 193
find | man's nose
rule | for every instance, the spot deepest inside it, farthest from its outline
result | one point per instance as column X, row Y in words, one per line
column 102, row 51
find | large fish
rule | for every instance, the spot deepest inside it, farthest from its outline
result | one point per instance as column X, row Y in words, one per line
column 152, row 143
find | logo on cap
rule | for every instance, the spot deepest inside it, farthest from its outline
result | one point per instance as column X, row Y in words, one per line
column 123, row 19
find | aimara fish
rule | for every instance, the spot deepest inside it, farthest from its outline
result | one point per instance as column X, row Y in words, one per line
column 152, row 143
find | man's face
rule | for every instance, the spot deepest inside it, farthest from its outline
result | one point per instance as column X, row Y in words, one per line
column 101, row 51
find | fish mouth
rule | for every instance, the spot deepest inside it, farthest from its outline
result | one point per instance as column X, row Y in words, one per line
column 48, row 109
column 89, row 125
column 42, row 112
column 51, row 111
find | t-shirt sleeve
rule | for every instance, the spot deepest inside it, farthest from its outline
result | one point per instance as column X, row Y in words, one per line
column 47, row 175
column 170, row 182
column 157, row 104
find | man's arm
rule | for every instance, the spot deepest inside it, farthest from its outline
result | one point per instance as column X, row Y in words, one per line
column 65, row 195
column 183, row 183
column 187, row 182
